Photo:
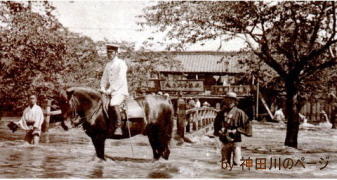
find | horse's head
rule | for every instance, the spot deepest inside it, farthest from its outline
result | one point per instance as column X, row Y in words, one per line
column 75, row 103
column 65, row 100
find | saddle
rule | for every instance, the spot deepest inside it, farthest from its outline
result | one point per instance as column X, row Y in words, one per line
column 129, row 109
column 132, row 109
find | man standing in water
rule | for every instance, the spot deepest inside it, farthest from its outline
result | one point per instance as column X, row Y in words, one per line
column 181, row 117
column 31, row 121
column 114, row 84
column 229, row 124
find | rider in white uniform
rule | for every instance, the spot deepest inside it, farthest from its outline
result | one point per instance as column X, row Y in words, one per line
column 114, row 82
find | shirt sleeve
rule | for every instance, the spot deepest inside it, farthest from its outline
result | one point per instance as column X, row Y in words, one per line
column 39, row 119
column 246, row 127
column 104, row 79
column 22, row 122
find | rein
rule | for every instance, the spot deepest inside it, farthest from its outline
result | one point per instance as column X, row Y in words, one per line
column 89, row 117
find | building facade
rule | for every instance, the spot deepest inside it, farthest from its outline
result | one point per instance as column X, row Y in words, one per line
column 205, row 75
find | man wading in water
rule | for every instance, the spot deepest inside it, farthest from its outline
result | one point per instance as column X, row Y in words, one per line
column 114, row 84
column 229, row 124
column 31, row 121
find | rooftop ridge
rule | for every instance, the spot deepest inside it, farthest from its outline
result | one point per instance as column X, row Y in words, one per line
column 200, row 52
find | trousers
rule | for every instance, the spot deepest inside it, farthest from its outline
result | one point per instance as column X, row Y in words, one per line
column 231, row 152
column 30, row 135
column 117, row 99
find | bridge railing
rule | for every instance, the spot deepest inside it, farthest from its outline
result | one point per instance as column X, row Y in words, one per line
column 198, row 118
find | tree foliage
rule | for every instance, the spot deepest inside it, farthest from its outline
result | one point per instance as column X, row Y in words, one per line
column 294, row 39
column 36, row 52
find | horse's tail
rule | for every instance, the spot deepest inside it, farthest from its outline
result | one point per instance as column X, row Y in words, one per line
column 168, row 129
column 160, row 130
column 169, row 120
column 164, row 124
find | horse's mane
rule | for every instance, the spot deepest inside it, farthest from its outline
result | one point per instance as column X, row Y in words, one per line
column 73, row 103
column 86, row 91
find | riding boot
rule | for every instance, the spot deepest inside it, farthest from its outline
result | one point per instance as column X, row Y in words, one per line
column 118, row 130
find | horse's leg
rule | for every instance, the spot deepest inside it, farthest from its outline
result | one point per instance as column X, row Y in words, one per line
column 152, row 134
column 99, row 143
column 154, row 144
column 162, row 149
column 166, row 133
column 164, row 140
column 166, row 153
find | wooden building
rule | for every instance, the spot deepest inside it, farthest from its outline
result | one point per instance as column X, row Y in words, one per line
column 205, row 75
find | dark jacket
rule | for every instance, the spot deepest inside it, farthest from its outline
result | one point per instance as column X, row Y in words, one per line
column 234, row 119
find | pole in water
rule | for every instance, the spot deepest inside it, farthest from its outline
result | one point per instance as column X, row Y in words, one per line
column 47, row 119
column 127, row 123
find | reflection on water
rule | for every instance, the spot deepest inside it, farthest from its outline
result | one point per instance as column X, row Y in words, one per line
column 69, row 154
column 158, row 174
column 97, row 171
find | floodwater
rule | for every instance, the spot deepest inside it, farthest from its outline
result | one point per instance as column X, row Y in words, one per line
column 70, row 154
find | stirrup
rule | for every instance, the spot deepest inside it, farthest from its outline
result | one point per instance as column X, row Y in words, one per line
column 124, row 116
column 118, row 131
column 122, row 106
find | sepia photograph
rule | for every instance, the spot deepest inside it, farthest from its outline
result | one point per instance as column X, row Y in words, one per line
column 168, row 89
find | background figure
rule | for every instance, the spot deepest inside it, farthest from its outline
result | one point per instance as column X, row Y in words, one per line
column 218, row 106
column 279, row 116
column 31, row 121
column 191, row 104
column 166, row 95
column 333, row 102
column 197, row 103
column 334, row 116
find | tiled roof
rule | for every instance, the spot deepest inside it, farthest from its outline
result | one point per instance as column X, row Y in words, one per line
column 207, row 61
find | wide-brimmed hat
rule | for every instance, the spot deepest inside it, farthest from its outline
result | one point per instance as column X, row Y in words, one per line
column 231, row 95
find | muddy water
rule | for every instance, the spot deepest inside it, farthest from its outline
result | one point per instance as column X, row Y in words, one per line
column 70, row 154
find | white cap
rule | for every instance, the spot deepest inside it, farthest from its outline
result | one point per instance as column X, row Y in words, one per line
column 231, row 95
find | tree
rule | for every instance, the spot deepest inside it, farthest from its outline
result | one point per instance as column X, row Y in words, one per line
column 83, row 65
column 292, row 38
column 36, row 52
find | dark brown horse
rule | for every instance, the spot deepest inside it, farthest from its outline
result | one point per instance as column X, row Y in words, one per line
column 86, row 104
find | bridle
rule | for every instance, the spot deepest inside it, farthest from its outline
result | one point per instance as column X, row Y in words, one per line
column 88, row 117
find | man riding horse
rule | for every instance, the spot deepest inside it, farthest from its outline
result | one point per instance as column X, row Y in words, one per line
column 114, row 84
column 148, row 115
